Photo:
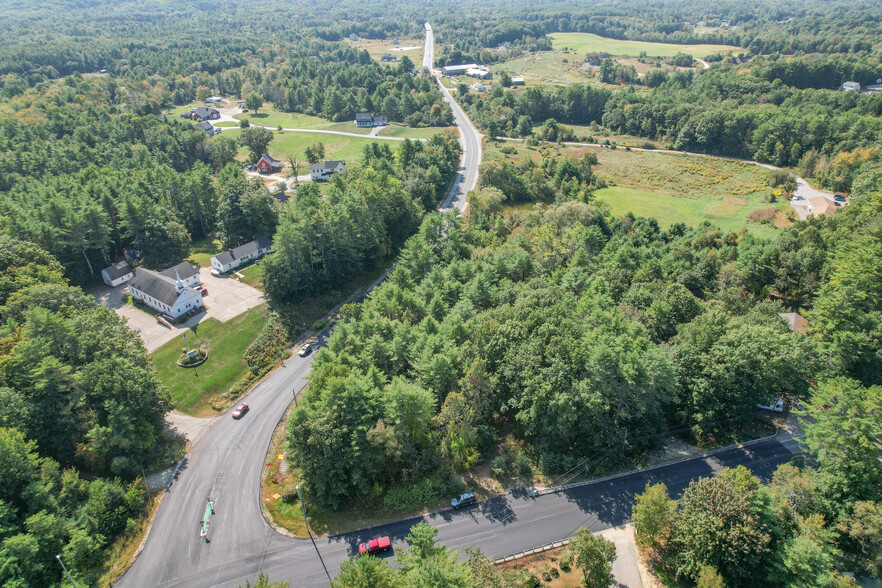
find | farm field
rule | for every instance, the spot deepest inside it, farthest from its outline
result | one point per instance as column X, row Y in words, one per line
column 590, row 43
column 413, row 48
column 270, row 117
column 547, row 67
column 674, row 188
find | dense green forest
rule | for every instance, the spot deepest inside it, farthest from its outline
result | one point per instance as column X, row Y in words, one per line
column 82, row 416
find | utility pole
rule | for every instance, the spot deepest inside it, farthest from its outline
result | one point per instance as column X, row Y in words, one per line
column 66, row 573
column 303, row 510
column 295, row 397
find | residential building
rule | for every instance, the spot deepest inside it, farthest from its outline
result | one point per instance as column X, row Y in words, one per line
column 395, row 41
column 517, row 81
column 479, row 72
column 851, row 87
column 267, row 165
column 187, row 273
column 233, row 258
column 163, row 293
column 353, row 37
column 478, row 87
column 117, row 274
column 366, row 119
column 207, row 128
column 204, row 113
column 214, row 99
column 820, row 206
column 388, row 57
column 455, row 70
column 797, row 322
column 323, row 171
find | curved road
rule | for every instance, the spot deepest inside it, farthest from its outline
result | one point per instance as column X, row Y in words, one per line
column 226, row 460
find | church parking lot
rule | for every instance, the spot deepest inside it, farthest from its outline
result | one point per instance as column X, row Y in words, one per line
column 227, row 298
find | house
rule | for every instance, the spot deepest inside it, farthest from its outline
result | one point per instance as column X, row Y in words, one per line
column 797, row 322
column 517, row 81
column 388, row 57
column 233, row 258
column 455, row 70
column 366, row 119
column 478, row 87
column 187, row 273
column 267, row 164
column 395, row 41
column 479, row 72
column 207, row 128
column 353, row 37
column 166, row 294
column 820, row 206
column 323, row 171
column 851, row 87
column 117, row 274
column 204, row 113
column 280, row 197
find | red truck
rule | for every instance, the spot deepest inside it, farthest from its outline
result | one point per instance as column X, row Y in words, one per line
column 375, row 545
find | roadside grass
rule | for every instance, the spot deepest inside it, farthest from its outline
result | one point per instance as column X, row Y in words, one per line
column 395, row 130
column 268, row 116
column 226, row 124
column 671, row 187
column 584, row 43
column 549, row 567
column 193, row 388
column 122, row 552
column 203, row 250
column 252, row 276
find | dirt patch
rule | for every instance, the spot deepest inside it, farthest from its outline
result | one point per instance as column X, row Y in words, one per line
column 727, row 206
column 782, row 220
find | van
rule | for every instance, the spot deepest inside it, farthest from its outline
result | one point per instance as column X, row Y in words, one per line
column 776, row 406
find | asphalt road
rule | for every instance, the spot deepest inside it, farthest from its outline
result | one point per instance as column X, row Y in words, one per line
column 225, row 464
column 469, row 137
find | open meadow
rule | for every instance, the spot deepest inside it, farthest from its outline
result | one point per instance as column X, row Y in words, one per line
column 590, row 43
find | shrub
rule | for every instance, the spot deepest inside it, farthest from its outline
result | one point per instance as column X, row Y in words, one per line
column 244, row 124
column 269, row 347
column 320, row 324
column 566, row 560
column 529, row 580
column 412, row 496
column 763, row 215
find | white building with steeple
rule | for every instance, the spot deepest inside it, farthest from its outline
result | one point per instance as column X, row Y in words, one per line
column 171, row 291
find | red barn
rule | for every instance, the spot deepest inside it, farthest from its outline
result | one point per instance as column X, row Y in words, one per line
column 267, row 164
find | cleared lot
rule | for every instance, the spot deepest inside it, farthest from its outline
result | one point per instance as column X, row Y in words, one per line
column 227, row 298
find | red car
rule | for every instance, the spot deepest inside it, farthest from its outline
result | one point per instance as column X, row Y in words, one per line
column 240, row 410
column 375, row 545
column 204, row 291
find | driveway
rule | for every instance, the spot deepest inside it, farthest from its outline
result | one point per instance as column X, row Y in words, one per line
column 227, row 298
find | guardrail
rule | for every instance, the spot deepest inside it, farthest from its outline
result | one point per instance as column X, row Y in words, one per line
column 534, row 551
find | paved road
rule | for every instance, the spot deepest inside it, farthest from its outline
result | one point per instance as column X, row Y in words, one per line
column 469, row 137
column 226, row 460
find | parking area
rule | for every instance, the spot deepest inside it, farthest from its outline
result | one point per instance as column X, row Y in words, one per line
column 227, row 298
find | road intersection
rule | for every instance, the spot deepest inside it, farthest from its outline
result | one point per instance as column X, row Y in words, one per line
column 226, row 461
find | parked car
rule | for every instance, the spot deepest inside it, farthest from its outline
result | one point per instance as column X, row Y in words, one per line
column 240, row 411
column 204, row 291
column 463, row 500
column 215, row 272
column 776, row 406
column 375, row 545
column 839, row 198
column 305, row 350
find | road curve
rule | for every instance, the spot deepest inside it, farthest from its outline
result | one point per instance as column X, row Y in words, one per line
column 225, row 464
column 469, row 137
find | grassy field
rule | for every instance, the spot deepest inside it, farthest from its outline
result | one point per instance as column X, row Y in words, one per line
column 547, row 67
column 588, row 43
column 192, row 388
column 269, row 117
column 376, row 48
column 202, row 251
column 673, row 188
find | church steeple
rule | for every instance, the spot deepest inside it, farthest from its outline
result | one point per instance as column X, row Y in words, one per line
column 179, row 286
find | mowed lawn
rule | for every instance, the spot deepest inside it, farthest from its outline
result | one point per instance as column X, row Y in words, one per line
column 193, row 388
column 269, row 117
column 590, row 43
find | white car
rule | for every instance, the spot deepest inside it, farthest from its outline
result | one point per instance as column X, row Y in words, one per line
column 215, row 272
column 776, row 406
column 305, row 350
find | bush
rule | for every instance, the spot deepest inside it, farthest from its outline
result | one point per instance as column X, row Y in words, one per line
column 413, row 496
column 270, row 346
column 320, row 324
column 566, row 560
column 529, row 580
column 512, row 463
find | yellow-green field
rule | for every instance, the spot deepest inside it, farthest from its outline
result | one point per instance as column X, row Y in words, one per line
column 413, row 48
column 673, row 188
column 590, row 43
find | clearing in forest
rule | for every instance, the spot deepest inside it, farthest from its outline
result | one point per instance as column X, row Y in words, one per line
column 590, row 43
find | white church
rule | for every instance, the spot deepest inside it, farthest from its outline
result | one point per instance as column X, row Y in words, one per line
column 172, row 291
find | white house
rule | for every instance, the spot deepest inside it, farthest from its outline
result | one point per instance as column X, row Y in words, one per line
column 851, row 87
column 366, row 119
column 233, row 258
column 479, row 72
column 188, row 274
column 165, row 294
column 323, row 171
column 478, row 87
column 517, row 81
column 117, row 274
column 353, row 37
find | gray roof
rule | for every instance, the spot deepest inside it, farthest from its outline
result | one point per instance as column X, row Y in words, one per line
column 118, row 270
column 184, row 269
column 242, row 250
column 203, row 111
column 156, row 285
column 325, row 165
column 281, row 197
column 205, row 126
column 363, row 115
